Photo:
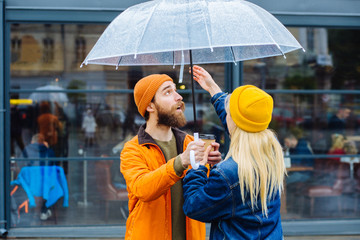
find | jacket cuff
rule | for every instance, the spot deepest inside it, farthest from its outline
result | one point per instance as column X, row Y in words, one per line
column 171, row 170
column 205, row 169
column 216, row 97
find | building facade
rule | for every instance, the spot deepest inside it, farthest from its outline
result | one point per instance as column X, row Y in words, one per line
column 89, row 113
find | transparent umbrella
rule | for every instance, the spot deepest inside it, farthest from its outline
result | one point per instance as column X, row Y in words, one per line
column 174, row 32
column 51, row 93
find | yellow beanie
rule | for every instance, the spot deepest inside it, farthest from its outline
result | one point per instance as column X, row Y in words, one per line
column 251, row 108
column 146, row 88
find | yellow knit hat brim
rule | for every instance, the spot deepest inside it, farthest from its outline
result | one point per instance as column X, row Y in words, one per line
column 251, row 108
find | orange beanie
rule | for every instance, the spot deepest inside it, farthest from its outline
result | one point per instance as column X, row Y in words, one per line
column 146, row 88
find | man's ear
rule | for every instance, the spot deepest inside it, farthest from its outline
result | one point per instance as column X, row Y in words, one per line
column 151, row 107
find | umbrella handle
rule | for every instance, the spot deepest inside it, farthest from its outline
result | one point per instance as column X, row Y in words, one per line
column 195, row 165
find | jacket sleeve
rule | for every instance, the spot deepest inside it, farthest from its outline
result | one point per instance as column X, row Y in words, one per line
column 206, row 199
column 218, row 101
column 146, row 185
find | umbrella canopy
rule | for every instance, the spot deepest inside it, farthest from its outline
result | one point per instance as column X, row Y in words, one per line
column 161, row 32
column 173, row 32
column 49, row 96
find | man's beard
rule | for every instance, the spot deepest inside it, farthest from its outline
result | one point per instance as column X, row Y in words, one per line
column 171, row 118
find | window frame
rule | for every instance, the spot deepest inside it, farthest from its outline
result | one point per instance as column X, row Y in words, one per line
column 93, row 15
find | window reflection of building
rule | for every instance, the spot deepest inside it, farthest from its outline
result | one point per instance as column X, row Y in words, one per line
column 15, row 49
column 80, row 49
column 30, row 50
column 48, row 50
column 310, row 39
column 80, row 44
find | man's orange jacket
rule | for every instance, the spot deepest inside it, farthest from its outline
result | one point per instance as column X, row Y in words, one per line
column 149, row 178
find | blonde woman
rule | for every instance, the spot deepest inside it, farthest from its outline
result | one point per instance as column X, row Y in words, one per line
column 337, row 147
column 241, row 196
column 350, row 147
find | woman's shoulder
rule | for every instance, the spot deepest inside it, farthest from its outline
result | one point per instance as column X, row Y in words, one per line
column 229, row 169
column 228, row 163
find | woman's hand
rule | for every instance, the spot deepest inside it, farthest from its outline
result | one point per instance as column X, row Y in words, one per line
column 205, row 80
column 212, row 155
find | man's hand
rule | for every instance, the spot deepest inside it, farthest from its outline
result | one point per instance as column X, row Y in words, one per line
column 205, row 80
column 198, row 148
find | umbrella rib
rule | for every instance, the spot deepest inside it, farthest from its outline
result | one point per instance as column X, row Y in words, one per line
column 145, row 27
column 262, row 23
column 227, row 34
column 117, row 65
column 233, row 54
column 173, row 59
column 206, row 27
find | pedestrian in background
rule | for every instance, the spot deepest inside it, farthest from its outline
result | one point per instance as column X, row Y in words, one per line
column 89, row 126
column 49, row 126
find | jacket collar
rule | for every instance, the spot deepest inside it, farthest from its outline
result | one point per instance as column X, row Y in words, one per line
column 145, row 138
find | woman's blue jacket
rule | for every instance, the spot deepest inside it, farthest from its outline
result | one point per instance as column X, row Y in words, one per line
column 217, row 199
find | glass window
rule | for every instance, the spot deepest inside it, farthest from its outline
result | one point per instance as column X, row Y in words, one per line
column 314, row 125
column 73, row 122
column 330, row 62
column 70, row 124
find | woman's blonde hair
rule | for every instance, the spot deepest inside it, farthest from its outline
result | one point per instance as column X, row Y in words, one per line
column 338, row 141
column 350, row 147
column 260, row 160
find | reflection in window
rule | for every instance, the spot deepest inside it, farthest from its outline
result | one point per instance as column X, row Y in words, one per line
column 15, row 49
column 330, row 62
column 30, row 50
column 80, row 49
column 70, row 129
column 48, row 50
column 326, row 64
column 325, row 123
column 310, row 39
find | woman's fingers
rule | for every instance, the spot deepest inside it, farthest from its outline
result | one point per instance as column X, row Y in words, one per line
column 214, row 156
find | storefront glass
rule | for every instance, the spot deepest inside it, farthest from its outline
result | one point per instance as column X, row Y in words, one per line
column 78, row 119
column 86, row 114
column 318, row 122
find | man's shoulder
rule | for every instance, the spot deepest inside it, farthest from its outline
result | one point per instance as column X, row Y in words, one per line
column 132, row 141
column 180, row 134
column 304, row 147
column 334, row 119
column 131, row 146
column 302, row 141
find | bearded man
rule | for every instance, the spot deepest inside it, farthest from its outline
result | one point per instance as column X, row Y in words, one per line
column 154, row 162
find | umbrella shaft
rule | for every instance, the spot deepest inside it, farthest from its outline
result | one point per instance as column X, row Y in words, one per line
column 193, row 91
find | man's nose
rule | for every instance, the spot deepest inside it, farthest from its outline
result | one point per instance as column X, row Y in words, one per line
column 178, row 97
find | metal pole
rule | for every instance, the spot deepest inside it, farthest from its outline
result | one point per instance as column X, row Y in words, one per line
column 85, row 183
column 193, row 92
column 84, row 203
column 4, row 165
